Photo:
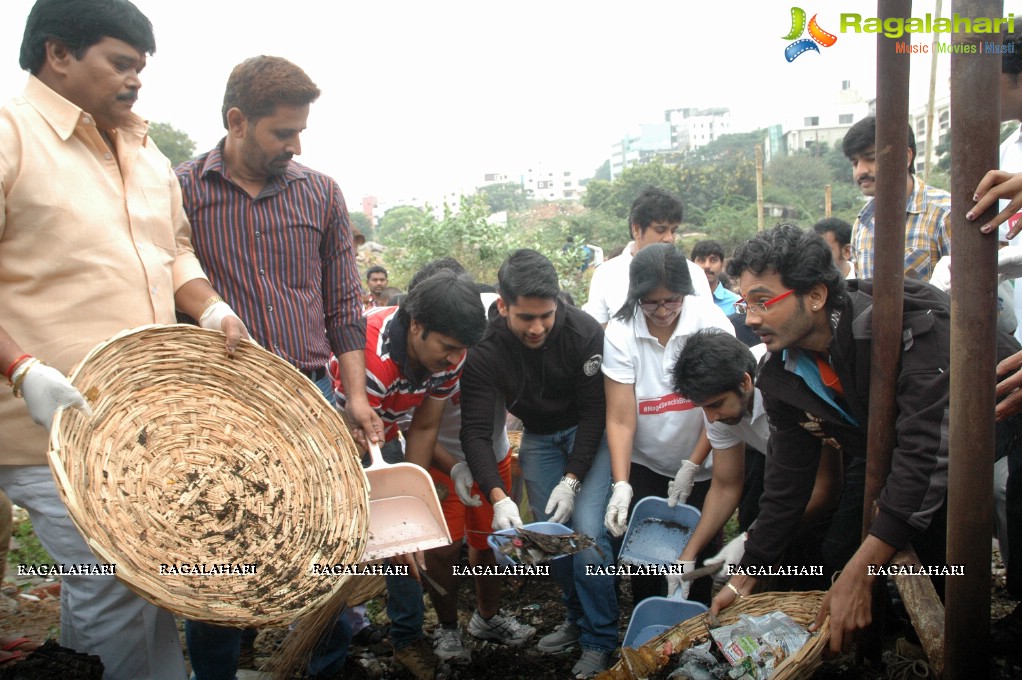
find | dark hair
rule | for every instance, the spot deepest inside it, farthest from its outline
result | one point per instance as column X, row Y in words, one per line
column 708, row 248
column 376, row 269
column 835, row 225
column 431, row 268
column 711, row 362
column 863, row 135
column 1011, row 62
column 80, row 24
column 258, row 85
column 446, row 303
column 527, row 273
column 802, row 258
column 660, row 264
column 655, row 205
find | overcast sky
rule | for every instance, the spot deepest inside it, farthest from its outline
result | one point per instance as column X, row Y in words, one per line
column 420, row 98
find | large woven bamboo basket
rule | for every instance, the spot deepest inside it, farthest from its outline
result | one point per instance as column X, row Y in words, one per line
column 194, row 458
column 802, row 607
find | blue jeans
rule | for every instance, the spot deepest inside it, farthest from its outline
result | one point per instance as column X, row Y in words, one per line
column 405, row 607
column 213, row 650
column 591, row 599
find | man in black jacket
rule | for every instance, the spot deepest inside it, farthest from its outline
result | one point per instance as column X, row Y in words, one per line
column 541, row 359
column 815, row 386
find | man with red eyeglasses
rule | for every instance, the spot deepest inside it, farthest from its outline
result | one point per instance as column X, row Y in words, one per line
column 815, row 387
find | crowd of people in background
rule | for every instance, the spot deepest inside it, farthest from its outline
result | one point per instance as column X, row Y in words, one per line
column 731, row 380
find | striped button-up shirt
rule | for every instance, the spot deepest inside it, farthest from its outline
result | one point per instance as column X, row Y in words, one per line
column 927, row 232
column 284, row 260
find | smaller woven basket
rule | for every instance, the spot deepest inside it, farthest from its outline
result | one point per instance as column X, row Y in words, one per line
column 193, row 460
column 802, row 607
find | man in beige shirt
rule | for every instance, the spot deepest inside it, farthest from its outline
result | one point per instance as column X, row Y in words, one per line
column 93, row 240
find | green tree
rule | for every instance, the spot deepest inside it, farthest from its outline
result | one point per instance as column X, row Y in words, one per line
column 509, row 196
column 395, row 222
column 615, row 198
column 362, row 223
column 603, row 172
column 466, row 235
column 175, row 144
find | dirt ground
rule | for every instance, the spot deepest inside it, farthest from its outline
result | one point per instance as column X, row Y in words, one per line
column 534, row 600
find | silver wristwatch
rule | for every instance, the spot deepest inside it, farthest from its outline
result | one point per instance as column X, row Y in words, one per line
column 572, row 484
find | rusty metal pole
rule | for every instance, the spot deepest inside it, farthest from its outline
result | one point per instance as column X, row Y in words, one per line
column 888, row 275
column 975, row 127
column 888, row 253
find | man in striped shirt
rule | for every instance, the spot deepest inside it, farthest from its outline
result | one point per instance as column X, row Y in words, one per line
column 414, row 355
column 275, row 240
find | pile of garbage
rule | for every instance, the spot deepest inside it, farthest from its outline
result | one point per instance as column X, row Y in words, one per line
column 749, row 649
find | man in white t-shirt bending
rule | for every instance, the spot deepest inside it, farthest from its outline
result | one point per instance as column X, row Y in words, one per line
column 716, row 371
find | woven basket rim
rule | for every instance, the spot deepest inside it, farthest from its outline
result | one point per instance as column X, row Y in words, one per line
column 801, row 606
column 278, row 455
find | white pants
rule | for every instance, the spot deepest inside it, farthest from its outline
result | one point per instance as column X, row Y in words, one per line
column 135, row 639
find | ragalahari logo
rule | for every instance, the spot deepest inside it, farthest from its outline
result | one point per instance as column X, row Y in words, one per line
column 798, row 26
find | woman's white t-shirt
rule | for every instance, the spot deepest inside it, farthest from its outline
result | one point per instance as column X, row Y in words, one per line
column 667, row 424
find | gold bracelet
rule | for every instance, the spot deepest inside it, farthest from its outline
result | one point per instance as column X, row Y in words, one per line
column 209, row 303
column 16, row 386
column 734, row 590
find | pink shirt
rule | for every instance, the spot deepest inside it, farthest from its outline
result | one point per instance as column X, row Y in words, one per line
column 90, row 244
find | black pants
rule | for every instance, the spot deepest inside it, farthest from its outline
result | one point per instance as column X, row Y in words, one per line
column 645, row 483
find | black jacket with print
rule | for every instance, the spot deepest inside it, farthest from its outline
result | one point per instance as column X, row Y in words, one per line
column 800, row 421
column 552, row 388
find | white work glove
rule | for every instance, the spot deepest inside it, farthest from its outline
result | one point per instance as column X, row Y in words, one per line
column 730, row 555
column 505, row 515
column 674, row 580
column 680, row 487
column 213, row 317
column 462, row 478
column 616, row 519
column 45, row 390
column 561, row 503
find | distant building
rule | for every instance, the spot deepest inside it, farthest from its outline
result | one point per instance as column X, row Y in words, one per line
column 682, row 130
column 941, row 131
column 653, row 139
column 693, row 128
column 369, row 206
column 826, row 124
column 543, row 183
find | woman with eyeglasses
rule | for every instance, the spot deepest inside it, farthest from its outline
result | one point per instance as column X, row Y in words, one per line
column 651, row 430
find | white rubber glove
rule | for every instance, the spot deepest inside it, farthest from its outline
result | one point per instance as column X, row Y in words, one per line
column 506, row 515
column 213, row 317
column 730, row 555
column 674, row 580
column 680, row 487
column 561, row 503
column 462, row 478
column 616, row 519
column 45, row 390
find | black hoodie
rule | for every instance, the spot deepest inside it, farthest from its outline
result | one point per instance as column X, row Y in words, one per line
column 552, row 388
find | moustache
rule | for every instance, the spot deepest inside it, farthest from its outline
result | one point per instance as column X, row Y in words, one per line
column 867, row 178
column 129, row 98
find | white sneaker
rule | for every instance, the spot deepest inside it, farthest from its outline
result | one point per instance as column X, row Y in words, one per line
column 502, row 627
column 448, row 645
column 564, row 636
column 591, row 662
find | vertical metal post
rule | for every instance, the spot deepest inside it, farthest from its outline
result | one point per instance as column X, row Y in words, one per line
column 975, row 92
column 888, row 253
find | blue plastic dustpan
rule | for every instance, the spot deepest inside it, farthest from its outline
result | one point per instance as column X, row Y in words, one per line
column 654, row 615
column 657, row 533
